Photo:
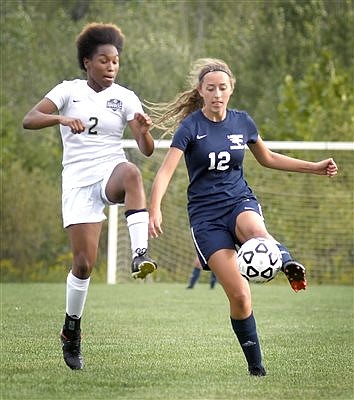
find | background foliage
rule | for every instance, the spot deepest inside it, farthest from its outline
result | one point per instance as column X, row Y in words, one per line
column 294, row 66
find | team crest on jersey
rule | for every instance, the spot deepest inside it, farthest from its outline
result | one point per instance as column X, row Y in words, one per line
column 236, row 140
column 114, row 104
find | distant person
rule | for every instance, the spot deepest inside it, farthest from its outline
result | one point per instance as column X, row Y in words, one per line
column 196, row 274
column 223, row 210
column 92, row 114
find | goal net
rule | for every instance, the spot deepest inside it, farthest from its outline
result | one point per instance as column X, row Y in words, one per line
column 311, row 215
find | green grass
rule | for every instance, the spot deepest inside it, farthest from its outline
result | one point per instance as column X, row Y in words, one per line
column 161, row 341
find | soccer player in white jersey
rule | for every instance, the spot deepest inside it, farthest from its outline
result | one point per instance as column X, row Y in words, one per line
column 92, row 114
column 223, row 210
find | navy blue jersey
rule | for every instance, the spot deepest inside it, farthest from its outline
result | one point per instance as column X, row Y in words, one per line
column 214, row 153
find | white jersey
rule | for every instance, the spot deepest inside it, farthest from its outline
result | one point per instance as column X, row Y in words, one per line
column 88, row 155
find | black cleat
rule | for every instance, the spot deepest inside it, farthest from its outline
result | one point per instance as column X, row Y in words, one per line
column 296, row 274
column 142, row 265
column 257, row 370
column 72, row 351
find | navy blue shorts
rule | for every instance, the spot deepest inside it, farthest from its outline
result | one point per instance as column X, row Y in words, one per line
column 211, row 236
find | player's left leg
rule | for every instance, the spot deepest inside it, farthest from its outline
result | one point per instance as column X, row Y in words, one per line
column 296, row 274
column 138, row 222
column 125, row 185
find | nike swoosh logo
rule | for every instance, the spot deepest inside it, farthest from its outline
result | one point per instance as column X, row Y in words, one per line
column 201, row 136
column 249, row 343
column 76, row 101
column 248, row 208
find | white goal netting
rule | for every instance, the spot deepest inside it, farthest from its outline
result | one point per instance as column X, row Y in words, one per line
column 312, row 215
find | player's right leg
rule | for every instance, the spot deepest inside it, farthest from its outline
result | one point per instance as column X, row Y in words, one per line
column 70, row 338
column 250, row 224
column 84, row 243
column 216, row 248
column 243, row 323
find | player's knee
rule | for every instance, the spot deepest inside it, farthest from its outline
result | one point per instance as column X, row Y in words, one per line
column 240, row 300
column 259, row 232
column 256, row 232
column 82, row 266
column 133, row 176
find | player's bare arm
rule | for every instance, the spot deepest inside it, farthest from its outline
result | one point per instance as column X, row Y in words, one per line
column 44, row 114
column 271, row 159
column 326, row 167
column 140, row 127
column 159, row 187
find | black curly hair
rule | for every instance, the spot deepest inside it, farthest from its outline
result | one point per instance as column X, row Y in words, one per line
column 96, row 34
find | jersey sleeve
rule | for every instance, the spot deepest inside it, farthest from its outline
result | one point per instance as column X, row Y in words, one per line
column 251, row 128
column 60, row 94
column 133, row 106
column 182, row 137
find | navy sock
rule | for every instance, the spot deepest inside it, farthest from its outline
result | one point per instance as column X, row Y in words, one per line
column 285, row 255
column 212, row 280
column 246, row 333
column 194, row 277
column 131, row 212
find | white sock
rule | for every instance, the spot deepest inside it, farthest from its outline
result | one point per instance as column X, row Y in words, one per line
column 138, row 225
column 76, row 292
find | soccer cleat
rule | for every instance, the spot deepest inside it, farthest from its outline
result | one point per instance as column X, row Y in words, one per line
column 296, row 274
column 72, row 351
column 257, row 370
column 142, row 265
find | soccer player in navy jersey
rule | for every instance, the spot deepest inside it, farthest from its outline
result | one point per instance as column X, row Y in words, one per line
column 223, row 210
column 92, row 114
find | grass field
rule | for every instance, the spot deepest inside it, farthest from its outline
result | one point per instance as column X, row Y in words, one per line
column 161, row 341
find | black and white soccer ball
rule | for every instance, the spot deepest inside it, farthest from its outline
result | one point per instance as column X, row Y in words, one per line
column 259, row 260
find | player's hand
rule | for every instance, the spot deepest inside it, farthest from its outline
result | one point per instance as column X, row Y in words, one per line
column 144, row 122
column 155, row 221
column 327, row 167
column 74, row 124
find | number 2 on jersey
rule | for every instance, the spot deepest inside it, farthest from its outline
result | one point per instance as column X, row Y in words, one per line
column 91, row 130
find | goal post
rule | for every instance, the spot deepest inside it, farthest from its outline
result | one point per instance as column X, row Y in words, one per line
column 112, row 244
column 297, row 218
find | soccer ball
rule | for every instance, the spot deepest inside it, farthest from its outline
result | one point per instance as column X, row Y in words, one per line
column 259, row 260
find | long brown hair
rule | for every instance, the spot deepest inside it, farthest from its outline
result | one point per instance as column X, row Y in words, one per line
column 167, row 116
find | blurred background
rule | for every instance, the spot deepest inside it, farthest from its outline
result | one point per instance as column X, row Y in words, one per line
column 293, row 61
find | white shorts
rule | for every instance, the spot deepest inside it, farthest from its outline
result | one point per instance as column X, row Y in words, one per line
column 82, row 205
